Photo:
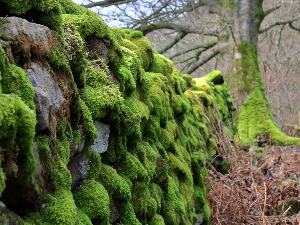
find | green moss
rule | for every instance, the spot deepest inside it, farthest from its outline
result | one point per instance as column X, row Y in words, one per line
column 101, row 99
column 157, row 220
column 70, row 7
column 201, row 203
column 144, row 49
column 14, row 81
column 59, row 60
column 161, row 65
column 136, row 34
column 258, row 150
column 157, row 193
column 128, row 216
column 147, row 156
column 133, row 112
column 93, row 26
column 161, row 170
column 89, row 130
column 175, row 208
column 116, row 186
column 89, row 25
column 2, row 181
column 259, row 156
column 59, row 149
column 126, row 80
column 17, row 127
column 95, row 165
column 83, row 219
column 93, row 200
column 60, row 208
column 132, row 168
column 143, row 204
column 224, row 166
column 75, row 52
column 119, row 34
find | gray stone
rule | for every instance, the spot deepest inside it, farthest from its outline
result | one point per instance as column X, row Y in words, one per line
column 200, row 218
column 79, row 167
column 97, row 49
column 35, row 33
column 2, row 204
column 48, row 95
column 101, row 143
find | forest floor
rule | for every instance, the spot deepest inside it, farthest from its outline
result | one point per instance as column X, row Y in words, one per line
column 261, row 186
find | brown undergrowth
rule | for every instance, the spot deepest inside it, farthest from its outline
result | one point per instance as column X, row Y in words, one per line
column 261, row 186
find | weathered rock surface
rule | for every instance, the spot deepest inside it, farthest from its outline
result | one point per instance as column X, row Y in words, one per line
column 31, row 37
column 101, row 143
column 48, row 95
column 79, row 167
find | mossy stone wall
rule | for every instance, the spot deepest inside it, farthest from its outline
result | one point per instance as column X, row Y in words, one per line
column 154, row 169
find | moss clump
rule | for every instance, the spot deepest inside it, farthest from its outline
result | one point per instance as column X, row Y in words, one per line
column 143, row 204
column 258, row 150
column 17, row 128
column 127, row 215
column 143, row 48
column 93, row 200
column 157, row 220
column 116, row 185
column 101, row 99
column 136, row 34
column 70, row 7
column 259, row 156
column 14, row 81
column 60, row 208
column 75, row 52
column 161, row 65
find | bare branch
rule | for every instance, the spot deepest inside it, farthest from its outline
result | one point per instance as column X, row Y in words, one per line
column 204, row 45
column 269, row 11
column 278, row 23
column 107, row 3
column 203, row 60
column 177, row 27
column 178, row 37
column 293, row 27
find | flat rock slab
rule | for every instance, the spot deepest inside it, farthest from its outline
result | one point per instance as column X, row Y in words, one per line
column 101, row 143
column 48, row 95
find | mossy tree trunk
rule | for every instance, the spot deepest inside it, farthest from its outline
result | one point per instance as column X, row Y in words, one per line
column 254, row 115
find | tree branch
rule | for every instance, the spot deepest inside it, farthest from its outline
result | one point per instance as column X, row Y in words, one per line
column 177, row 27
column 278, row 23
column 204, row 45
column 203, row 60
column 269, row 11
column 107, row 3
column 293, row 27
column 178, row 37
